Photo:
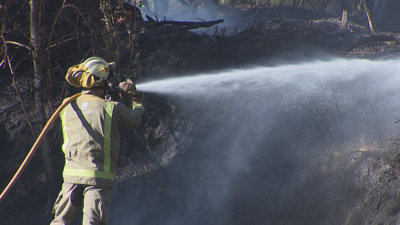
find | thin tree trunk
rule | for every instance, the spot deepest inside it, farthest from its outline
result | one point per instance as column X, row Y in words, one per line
column 344, row 23
column 39, row 79
column 370, row 19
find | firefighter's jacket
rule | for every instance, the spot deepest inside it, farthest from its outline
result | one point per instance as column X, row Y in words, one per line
column 91, row 137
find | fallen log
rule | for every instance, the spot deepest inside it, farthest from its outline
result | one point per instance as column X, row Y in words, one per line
column 369, row 39
column 179, row 26
column 184, row 23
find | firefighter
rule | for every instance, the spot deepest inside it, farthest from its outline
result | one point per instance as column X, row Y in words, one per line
column 91, row 142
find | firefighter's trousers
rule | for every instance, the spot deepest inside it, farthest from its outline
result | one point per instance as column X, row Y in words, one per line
column 96, row 203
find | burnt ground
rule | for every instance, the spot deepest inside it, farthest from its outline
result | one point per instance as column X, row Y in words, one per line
column 278, row 36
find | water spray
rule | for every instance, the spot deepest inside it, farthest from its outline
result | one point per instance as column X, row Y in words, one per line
column 280, row 145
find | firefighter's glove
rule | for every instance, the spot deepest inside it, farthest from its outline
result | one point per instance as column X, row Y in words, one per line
column 129, row 93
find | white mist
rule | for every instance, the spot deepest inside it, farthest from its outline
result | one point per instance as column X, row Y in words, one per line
column 272, row 134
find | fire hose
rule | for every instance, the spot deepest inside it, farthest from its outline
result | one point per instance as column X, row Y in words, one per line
column 36, row 145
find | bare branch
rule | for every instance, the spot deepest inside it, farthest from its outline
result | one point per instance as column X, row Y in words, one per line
column 55, row 22
column 58, row 43
column 9, row 64
column 8, row 108
column 22, row 105
column 18, row 44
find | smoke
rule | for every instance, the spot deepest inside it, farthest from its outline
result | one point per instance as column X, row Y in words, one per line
column 177, row 10
column 193, row 11
column 281, row 146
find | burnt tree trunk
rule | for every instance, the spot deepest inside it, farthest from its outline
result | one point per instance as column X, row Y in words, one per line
column 370, row 17
column 39, row 80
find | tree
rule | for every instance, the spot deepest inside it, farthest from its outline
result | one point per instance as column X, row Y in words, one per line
column 39, row 79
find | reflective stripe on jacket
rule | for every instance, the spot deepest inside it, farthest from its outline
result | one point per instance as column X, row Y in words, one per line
column 91, row 137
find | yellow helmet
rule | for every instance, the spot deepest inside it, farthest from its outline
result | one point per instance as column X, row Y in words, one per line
column 98, row 67
column 90, row 73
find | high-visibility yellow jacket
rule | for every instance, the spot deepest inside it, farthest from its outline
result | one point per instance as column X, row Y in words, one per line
column 91, row 137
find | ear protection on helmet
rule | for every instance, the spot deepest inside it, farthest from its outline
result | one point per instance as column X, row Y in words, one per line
column 90, row 73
